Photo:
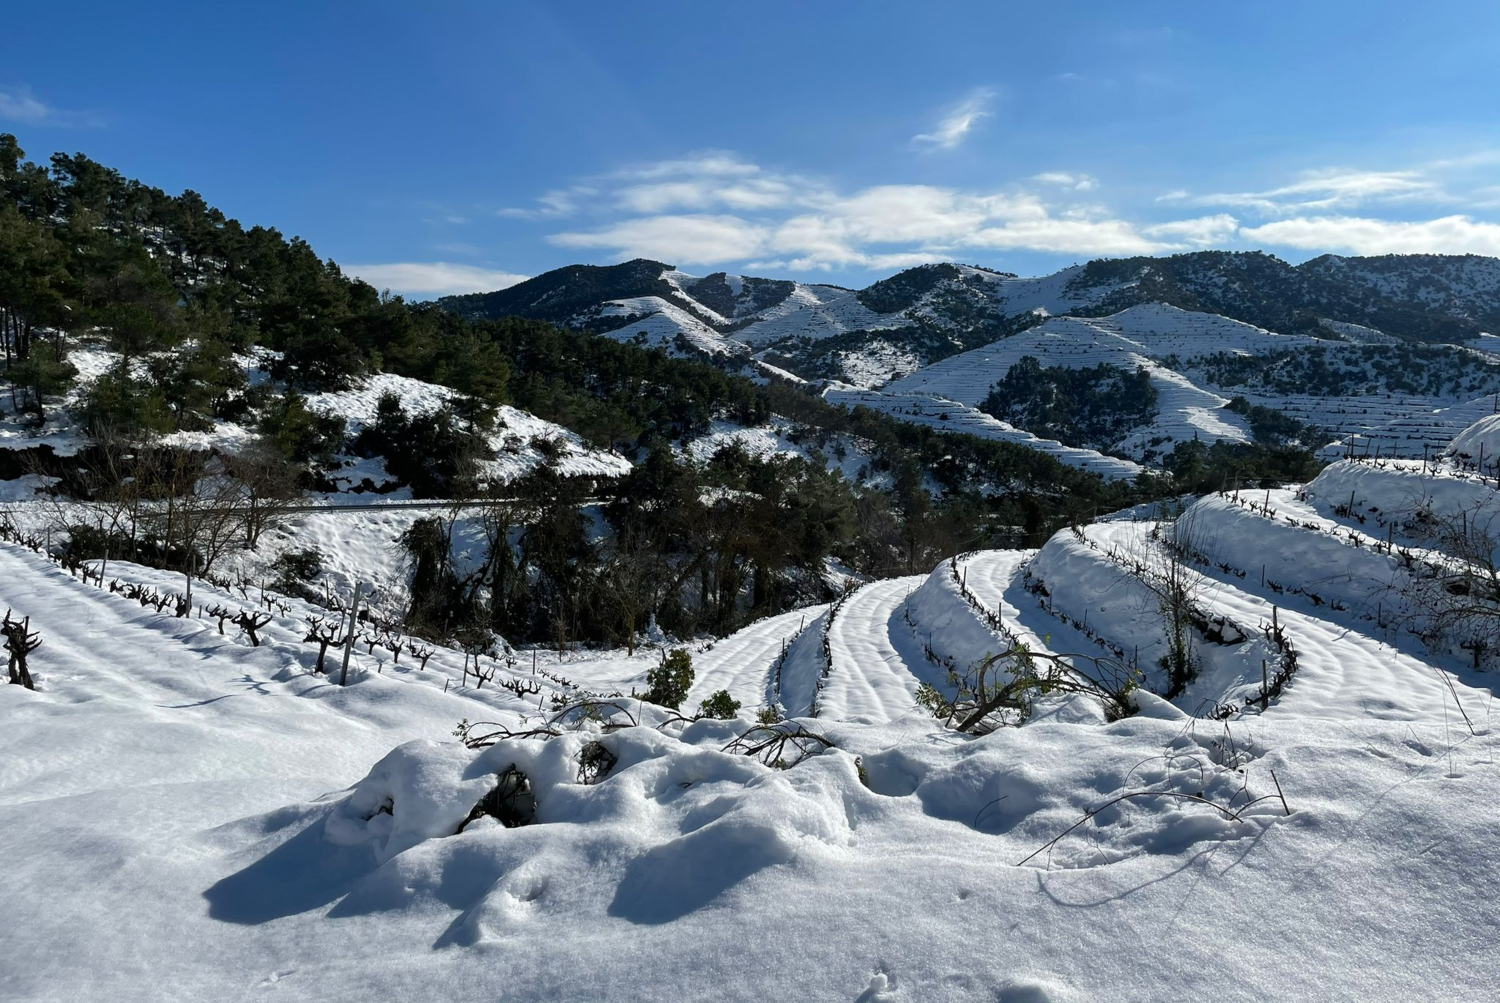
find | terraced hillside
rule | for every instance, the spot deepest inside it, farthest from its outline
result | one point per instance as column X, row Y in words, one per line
column 1317, row 768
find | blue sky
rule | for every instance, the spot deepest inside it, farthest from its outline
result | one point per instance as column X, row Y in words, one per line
column 448, row 146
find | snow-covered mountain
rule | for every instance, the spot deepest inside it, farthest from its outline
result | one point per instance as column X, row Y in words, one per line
column 1363, row 350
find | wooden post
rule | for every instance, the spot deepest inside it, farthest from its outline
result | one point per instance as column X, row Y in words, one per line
column 1265, row 691
column 349, row 634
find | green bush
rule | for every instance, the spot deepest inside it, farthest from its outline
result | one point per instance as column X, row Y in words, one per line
column 436, row 455
column 721, row 706
column 302, row 434
column 118, row 400
column 669, row 682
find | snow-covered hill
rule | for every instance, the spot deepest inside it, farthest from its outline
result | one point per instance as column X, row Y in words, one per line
column 1308, row 796
column 518, row 439
column 1130, row 340
column 952, row 416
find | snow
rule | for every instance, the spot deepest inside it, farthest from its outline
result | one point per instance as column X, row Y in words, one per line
column 869, row 678
column 661, row 323
column 192, row 817
column 1132, row 339
column 1358, row 334
column 1480, row 439
column 877, row 363
column 951, row 416
column 815, row 312
column 1127, row 339
column 512, row 439
column 1050, row 294
column 745, row 662
column 189, row 788
column 775, row 438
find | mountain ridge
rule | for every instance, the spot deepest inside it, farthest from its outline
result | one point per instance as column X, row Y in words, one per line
column 1211, row 327
column 1370, row 285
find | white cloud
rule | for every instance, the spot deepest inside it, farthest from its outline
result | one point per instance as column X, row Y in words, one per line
column 1447, row 235
column 711, row 162
column 956, row 124
column 1069, row 236
column 717, row 208
column 704, row 193
column 433, row 277
column 556, row 203
column 1063, row 179
column 880, row 227
column 692, row 239
column 1205, row 231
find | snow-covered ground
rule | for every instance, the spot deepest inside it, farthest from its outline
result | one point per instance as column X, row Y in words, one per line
column 514, row 439
column 192, row 816
column 951, row 416
column 661, row 323
column 815, row 312
column 195, row 817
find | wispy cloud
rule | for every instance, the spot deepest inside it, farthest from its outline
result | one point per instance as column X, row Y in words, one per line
column 717, row 163
column 739, row 212
column 1332, row 189
column 459, row 247
column 1065, row 179
column 956, row 123
column 704, row 193
column 1361, row 235
column 19, row 104
column 559, row 202
column 695, row 239
column 433, row 278
column 719, row 208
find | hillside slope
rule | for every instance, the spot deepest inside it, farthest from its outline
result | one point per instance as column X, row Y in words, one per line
column 210, row 790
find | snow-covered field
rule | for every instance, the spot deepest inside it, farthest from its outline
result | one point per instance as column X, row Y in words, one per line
column 188, row 816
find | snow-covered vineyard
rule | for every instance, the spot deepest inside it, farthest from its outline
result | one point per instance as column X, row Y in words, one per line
column 201, row 811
